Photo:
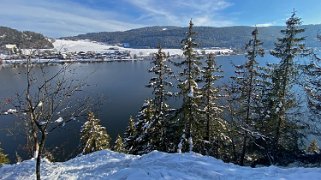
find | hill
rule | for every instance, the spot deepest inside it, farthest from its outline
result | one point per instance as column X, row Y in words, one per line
column 24, row 39
column 155, row 165
column 170, row 37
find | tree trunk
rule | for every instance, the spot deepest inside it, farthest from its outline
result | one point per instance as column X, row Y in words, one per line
column 41, row 147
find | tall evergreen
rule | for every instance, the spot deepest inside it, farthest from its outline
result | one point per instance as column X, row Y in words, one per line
column 248, row 90
column 190, row 91
column 94, row 137
column 286, row 49
column 215, row 127
column 160, row 84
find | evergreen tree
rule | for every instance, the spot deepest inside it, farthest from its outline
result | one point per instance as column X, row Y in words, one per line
column 3, row 157
column 142, row 142
column 129, row 135
column 190, row 91
column 94, row 137
column 313, row 147
column 282, row 100
column 119, row 145
column 215, row 127
column 248, row 86
column 160, row 84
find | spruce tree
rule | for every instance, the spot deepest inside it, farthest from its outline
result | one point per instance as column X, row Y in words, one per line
column 248, row 90
column 94, row 137
column 142, row 142
column 3, row 157
column 129, row 135
column 215, row 127
column 160, row 84
column 119, row 145
column 190, row 91
column 286, row 49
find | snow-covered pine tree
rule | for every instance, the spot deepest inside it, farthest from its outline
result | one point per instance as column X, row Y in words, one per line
column 3, row 157
column 248, row 90
column 94, row 137
column 129, row 135
column 282, row 101
column 190, row 92
column 119, row 145
column 145, row 118
column 160, row 84
column 215, row 132
column 313, row 147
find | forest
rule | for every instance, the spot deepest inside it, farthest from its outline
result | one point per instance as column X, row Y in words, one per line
column 257, row 119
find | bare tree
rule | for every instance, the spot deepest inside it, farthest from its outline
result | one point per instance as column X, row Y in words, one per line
column 47, row 104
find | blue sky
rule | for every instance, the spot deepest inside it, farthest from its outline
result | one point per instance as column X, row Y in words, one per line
column 56, row 18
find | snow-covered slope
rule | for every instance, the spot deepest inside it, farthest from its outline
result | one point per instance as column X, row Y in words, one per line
column 85, row 45
column 156, row 165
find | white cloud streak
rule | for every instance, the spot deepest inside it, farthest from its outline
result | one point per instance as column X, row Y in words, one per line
column 65, row 18
column 58, row 19
column 167, row 12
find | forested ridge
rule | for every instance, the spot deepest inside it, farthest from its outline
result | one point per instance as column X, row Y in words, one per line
column 170, row 36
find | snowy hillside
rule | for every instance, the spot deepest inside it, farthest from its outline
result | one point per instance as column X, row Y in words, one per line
column 85, row 45
column 155, row 165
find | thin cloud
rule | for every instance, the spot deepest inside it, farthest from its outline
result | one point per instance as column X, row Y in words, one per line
column 204, row 12
column 57, row 19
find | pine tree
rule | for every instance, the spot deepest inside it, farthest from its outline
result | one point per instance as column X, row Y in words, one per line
column 94, row 137
column 190, row 91
column 129, row 135
column 161, row 85
column 248, row 90
column 286, row 49
column 142, row 142
column 119, row 145
column 313, row 147
column 3, row 157
column 215, row 131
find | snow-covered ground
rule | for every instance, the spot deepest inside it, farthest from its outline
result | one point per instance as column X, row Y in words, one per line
column 85, row 45
column 155, row 165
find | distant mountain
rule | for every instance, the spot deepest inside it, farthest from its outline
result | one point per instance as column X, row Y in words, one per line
column 170, row 37
column 24, row 40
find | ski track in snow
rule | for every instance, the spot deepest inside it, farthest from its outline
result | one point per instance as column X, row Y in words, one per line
column 155, row 165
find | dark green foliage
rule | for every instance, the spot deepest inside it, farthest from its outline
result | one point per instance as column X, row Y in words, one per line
column 215, row 128
column 142, row 141
column 3, row 157
column 119, row 145
column 313, row 147
column 24, row 40
column 190, row 92
column 94, row 137
column 291, row 45
column 129, row 135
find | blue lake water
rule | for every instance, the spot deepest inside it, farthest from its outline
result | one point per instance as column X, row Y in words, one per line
column 118, row 86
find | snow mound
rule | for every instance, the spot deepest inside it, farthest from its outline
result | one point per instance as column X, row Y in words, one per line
column 155, row 165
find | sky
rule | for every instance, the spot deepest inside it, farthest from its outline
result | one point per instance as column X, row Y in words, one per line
column 59, row 18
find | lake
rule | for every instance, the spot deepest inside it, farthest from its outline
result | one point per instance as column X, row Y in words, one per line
column 118, row 86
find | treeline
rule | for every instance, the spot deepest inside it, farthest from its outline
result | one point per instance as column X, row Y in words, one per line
column 258, row 118
column 170, row 37
column 23, row 40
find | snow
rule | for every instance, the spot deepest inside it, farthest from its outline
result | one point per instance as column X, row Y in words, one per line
column 155, row 165
column 59, row 120
column 86, row 45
